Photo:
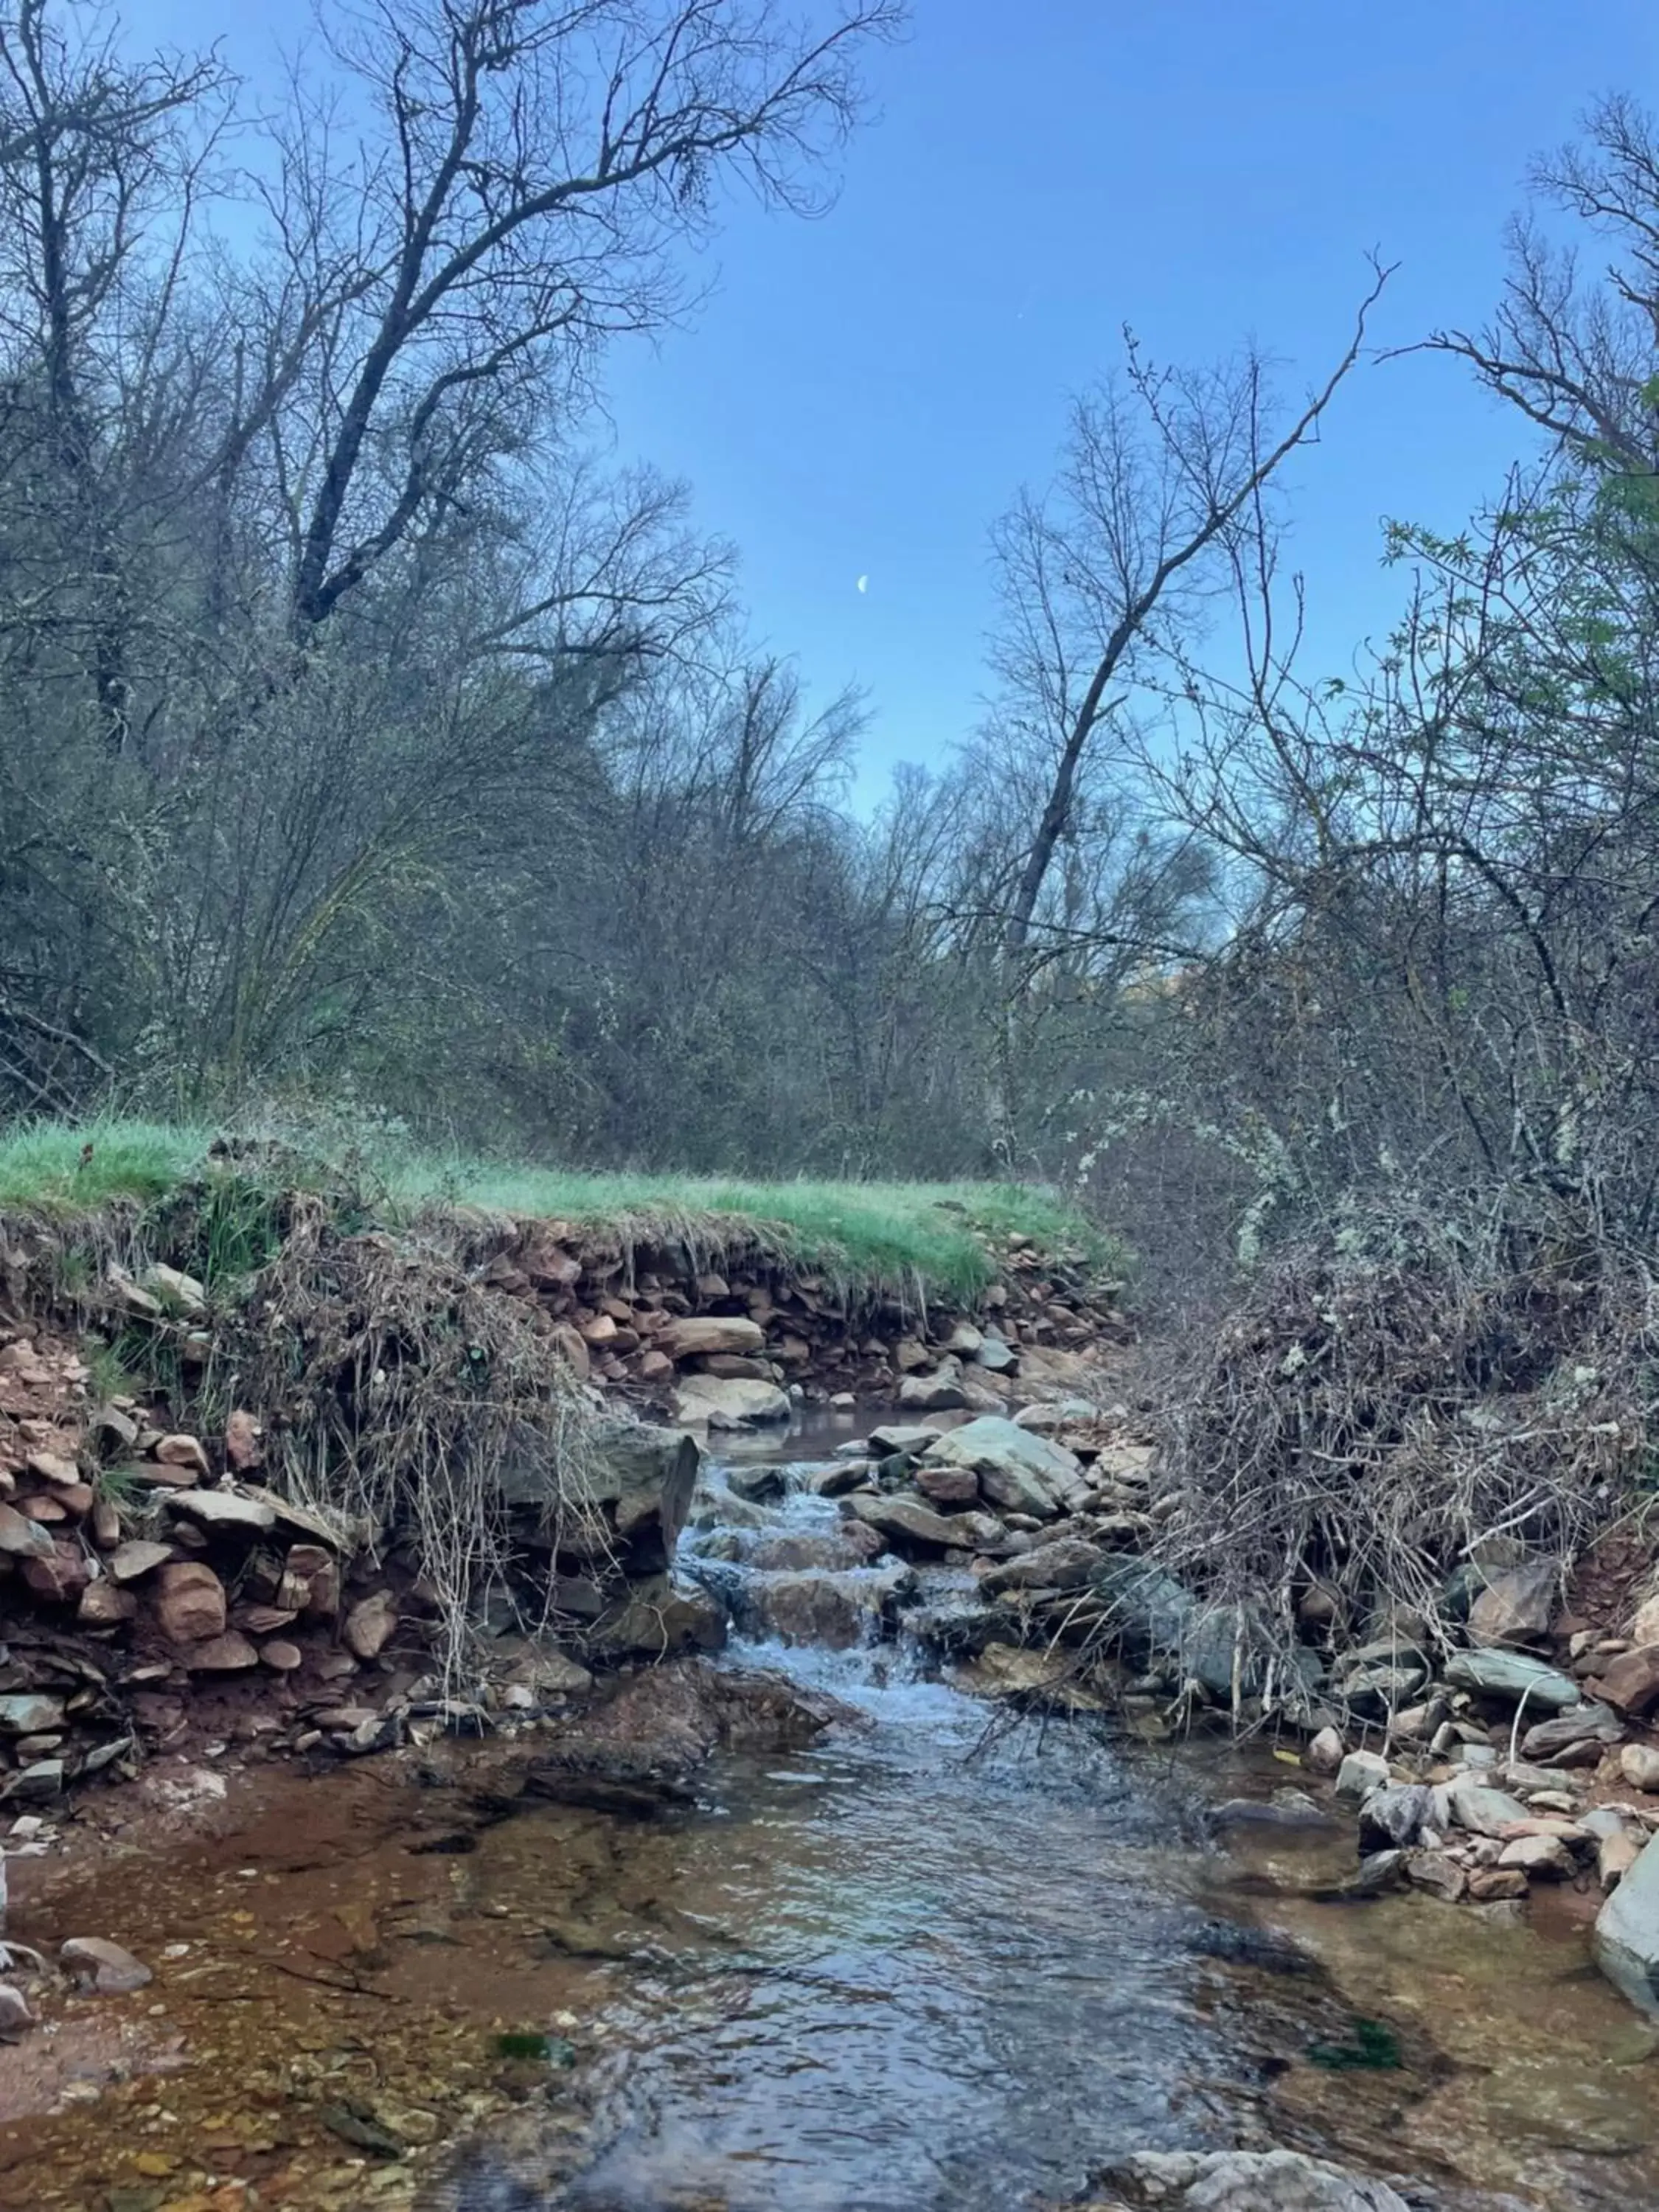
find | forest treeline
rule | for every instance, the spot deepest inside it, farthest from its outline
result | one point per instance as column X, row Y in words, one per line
column 366, row 733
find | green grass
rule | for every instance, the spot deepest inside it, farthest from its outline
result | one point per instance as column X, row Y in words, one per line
column 865, row 1235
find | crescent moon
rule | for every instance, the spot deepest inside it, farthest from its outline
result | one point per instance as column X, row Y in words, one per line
column 864, row 583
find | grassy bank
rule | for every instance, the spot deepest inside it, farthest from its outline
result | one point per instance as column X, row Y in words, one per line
column 864, row 1234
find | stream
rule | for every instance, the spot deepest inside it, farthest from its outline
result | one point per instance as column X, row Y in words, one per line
column 954, row 1960
column 949, row 1959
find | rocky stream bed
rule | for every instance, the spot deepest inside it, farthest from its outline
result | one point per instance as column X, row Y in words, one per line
column 874, row 1913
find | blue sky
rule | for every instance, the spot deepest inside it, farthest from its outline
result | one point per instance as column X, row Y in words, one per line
column 862, row 395
column 865, row 393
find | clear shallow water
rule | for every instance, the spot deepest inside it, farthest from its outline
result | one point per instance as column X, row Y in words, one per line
column 952, row 1960
column 949, row 1959
column 932, row 1973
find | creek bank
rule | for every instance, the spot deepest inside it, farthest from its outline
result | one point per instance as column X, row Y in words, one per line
column 396, row 1535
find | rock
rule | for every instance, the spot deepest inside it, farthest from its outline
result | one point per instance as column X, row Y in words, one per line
column 1539, row 1854
column 698, row 1334
column 906, row 1523
column 571, row 1347
column 1484, row 1811
column 104, row 1604
column 1434, row 1872
column 61, row 1579
column 186, row 1454
column 910, row 1355
column 947, row 1485
column 94, row 1961
column 1516, row 1605
column 1360, row 1773
column 657, row 1617
column 174, row 1291
column 1640, row 1765
column 1045, row 1368
column 1017, row 1469
column 14, row 2010
column 736, row 1366
column 760, row 1484
column 836, row 1612
column 1589, row 1722
column 1512, row 1675
column 1627, row 1938
column 1617, row 1850
column 282, row 1656
column 1631, row 1682
column 370, row 1625
column 1242, row 2181
column 37, row 1783
column 228, row 1654
column 850, row 1544
column 640, row 1477
column 333, row 1533
column 1644, row 1622
column 1325, row 1753
column 706, row 1401
column 1394, row 1816
column 190, row 1602
column 1150, row 1610
column 897, row 1436
column 548, row 1673
column 53, row 1467
column 956, row 1627
column 30, row 1715
column 243, row 1443
column 224, row 1511
column 939, row 1393
column 1381, row 1690
column 1487, row 1884
column 1046, row 1678
column 1067, row 1563
column 22, row 1538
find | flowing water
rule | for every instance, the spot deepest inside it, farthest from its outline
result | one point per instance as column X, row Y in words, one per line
column 948, row 1959
column 953, row 1960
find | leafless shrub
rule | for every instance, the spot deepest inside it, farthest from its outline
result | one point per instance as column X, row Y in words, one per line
column 1375, row 1406
column 399, row 1388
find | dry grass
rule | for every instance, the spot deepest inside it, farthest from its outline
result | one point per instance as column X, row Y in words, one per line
column 1365, row 1422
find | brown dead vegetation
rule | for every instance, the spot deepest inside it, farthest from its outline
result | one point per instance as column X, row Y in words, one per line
column 1363, row 1423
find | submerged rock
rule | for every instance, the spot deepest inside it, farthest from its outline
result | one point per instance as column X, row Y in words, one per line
column 1242, row 2181
column 107, row 1966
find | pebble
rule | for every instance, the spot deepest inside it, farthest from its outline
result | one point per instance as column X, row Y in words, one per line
column 1640, row 1765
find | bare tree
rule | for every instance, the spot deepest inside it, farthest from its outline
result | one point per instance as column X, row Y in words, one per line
column 535, row 167
column 1101, row 580
column 1576, row 354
